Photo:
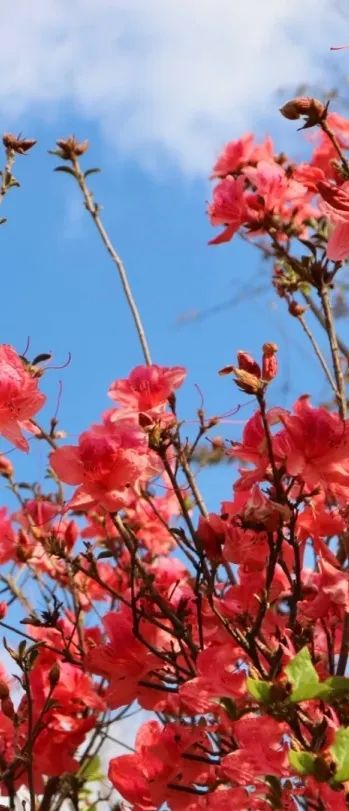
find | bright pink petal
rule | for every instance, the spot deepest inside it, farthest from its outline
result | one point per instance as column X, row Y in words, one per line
column 225, row 236
column 338, row 244
column 12, row 432
column 66, row 464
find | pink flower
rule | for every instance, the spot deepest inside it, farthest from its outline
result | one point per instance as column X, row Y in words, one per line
column 340, row 127
column 237, row 153
column 253, row 449
column 325, row 156
column 7, row 538
column 228, row 208
column 308, row 176
column 257, row 754
column 147, row 387
column 336, row 208
column 270, row 182
column 20, row 398
column 122, row 659
column 315, row 447
column 105, row 464
column 218, row 675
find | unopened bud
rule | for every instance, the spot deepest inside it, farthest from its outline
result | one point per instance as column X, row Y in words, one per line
column 7, row 708
column 14, row 143
column 247, row 382
column 4, row 691
column 213, row 421
column 54, row 675
column 296, row 309
column 313, row 110
column 70, row 148
column 247, row 362
column 6, row 467
column 270, row 365
column 217, row 442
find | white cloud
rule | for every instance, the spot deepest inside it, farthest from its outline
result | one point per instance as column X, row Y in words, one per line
column 164, row 79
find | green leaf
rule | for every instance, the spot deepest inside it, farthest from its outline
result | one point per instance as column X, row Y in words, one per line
column 304, row 678
column 259, row 689
column 340, row 754
column 302, row 762
column 337, row 685
column 91, row 771
column 91, row 172
column 65, row 169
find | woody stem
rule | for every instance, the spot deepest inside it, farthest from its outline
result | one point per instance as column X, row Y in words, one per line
column 330, row 134
column 332, row 337
column 93, row 210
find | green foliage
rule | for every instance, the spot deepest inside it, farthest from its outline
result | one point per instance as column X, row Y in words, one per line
column 259, row 689
column 340, row 754
column 302, row 762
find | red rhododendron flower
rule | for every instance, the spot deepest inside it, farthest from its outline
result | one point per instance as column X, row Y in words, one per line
column 20, row 397
column 105, row 463
column 228, row 208
column 147, row 387
column 315, row 447
column 336, row 207
column 269, row 752
column 240, row 152
column 123, row 660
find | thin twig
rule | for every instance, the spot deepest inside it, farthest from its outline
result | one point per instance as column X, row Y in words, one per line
column 319, row 316
column 332, row 337
column 330, row 134
column 6, row 174
column 93, row 209
column 318, row 353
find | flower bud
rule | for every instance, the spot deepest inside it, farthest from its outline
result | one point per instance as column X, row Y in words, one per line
column 217, row 442
column 270, row 365
column 7, row 708
column 6, row 467
column 304, row 106
column 4, row 691
column 70, row 148
column 211, row 533
column 247, row 382
column 296, row 309
column 14, row 143
column 247, row 362
column 54, row 675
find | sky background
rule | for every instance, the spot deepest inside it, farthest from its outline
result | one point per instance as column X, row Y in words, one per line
column 158, row 87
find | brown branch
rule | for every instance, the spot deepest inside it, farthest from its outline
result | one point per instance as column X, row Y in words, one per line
column 319, row 316
column 93, row 210
column 330, row 134
column 332, row 337
column 318, row 353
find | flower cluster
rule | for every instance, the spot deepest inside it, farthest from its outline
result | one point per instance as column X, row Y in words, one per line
column 229, row 627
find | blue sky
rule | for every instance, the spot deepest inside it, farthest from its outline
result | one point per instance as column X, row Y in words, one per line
column 157, row 88
column 157, row 95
